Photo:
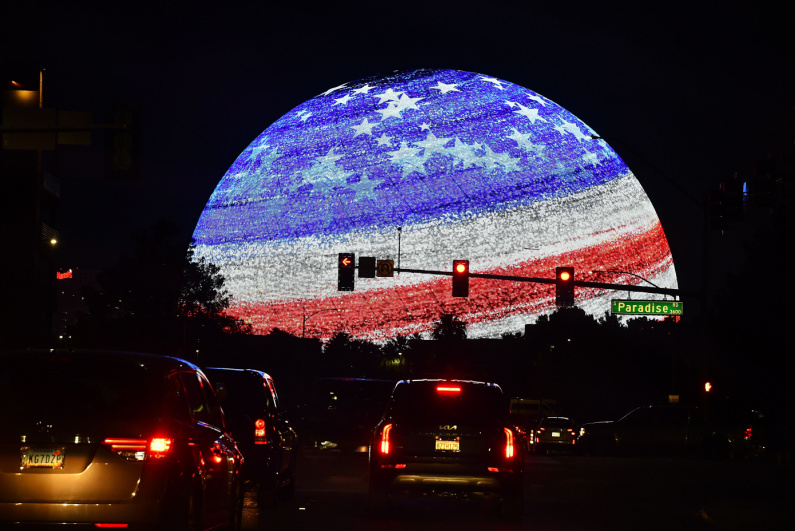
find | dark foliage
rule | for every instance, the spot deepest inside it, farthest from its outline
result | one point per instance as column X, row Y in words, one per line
column 158, row 299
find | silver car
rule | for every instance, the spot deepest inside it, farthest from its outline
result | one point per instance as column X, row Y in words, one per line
column 108, row 439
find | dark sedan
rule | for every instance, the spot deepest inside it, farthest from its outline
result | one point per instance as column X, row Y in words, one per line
column 555, row 434
column 261, row 428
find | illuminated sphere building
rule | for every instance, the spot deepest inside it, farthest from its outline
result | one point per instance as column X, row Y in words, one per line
column 424, row 167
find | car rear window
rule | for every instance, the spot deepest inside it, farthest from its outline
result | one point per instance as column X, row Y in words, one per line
column 78, row 387
column 421, row 403
column 559, row 423
column 245, row 391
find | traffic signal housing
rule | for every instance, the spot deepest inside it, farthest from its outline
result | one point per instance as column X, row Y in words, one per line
column 564, row 286
column 366, row 267
column 346, row 265
column 460, row 278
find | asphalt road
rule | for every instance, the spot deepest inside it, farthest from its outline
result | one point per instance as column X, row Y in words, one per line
column 562, row 492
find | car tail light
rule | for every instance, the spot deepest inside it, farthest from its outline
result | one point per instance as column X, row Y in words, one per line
column 385, row 439
column 448, row 389
column 748, row 433
column 140, row 449
column 260, row 432
column 508, row 443
column 110, row 525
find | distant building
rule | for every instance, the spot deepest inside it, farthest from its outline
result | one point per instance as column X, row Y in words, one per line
column 28, row 221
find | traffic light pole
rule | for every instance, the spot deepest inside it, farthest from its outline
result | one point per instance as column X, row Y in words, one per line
column 577, row 283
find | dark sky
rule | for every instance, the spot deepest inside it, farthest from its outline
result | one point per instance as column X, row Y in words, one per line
column 684, row 93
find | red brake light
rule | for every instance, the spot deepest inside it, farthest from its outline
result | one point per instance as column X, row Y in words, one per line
column 448, row 389
column 120, row 445
column 385, row 439
column 110, row 525
column 140, row 449
column 260, row 432
column 508, row 443
column 159, row 447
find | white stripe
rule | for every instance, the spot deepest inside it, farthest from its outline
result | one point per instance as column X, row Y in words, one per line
column 306, row 267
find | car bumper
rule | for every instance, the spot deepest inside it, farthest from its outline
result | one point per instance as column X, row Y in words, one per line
column 556, row 443
column 446, row 478
column 137, row 513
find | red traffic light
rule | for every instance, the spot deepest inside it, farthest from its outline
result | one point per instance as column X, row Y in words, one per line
column 460, row 278
column 564, row 286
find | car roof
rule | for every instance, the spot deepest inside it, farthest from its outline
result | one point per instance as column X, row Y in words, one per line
column 150, row 359
column 218, row 371
column 447, row 380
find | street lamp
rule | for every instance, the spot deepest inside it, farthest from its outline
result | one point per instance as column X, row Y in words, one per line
column 307, row 317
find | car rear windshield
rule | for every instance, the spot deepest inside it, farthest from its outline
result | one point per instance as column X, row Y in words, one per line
column 76, row 387
column 556, row 423
column 422, row 403
column 245, row 391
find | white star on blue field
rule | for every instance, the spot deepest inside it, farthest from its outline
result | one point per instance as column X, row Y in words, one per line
column 404, row 143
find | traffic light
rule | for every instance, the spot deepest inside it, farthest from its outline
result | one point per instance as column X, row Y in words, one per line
column 564, row 286
column 460, row 278
column 346, row 264
column 366, row 267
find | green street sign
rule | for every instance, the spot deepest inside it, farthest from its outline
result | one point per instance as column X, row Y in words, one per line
column 635, row 307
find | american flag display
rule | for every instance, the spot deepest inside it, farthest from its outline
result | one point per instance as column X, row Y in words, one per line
column 424, row 167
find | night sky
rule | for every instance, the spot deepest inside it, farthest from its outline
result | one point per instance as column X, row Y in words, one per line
column 685, row 94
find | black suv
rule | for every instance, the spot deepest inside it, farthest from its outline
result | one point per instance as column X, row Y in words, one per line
column 261, row 428
column 447, row 437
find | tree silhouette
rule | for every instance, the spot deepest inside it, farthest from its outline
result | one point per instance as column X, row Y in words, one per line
column 449, row 327
column 158, row 299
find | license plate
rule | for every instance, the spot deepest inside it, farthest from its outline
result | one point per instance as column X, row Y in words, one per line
column 556, row 434
column 43, row 458
column 448, row 445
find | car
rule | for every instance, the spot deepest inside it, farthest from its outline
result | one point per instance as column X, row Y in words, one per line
column 555, row 433
column 340, row 413
column 527, row 412
column 646, row 430
column 452, row 437
column 114, row 439
column 262, row 430
column 672, row 430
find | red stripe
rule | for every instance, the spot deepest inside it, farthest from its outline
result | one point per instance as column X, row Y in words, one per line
column 387, row 312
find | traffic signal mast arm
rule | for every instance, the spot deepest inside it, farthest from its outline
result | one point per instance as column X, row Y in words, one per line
column 577, row 283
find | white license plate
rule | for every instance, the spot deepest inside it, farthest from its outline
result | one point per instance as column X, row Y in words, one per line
column 448, row 445
column 556, row 434
column 43, row 457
